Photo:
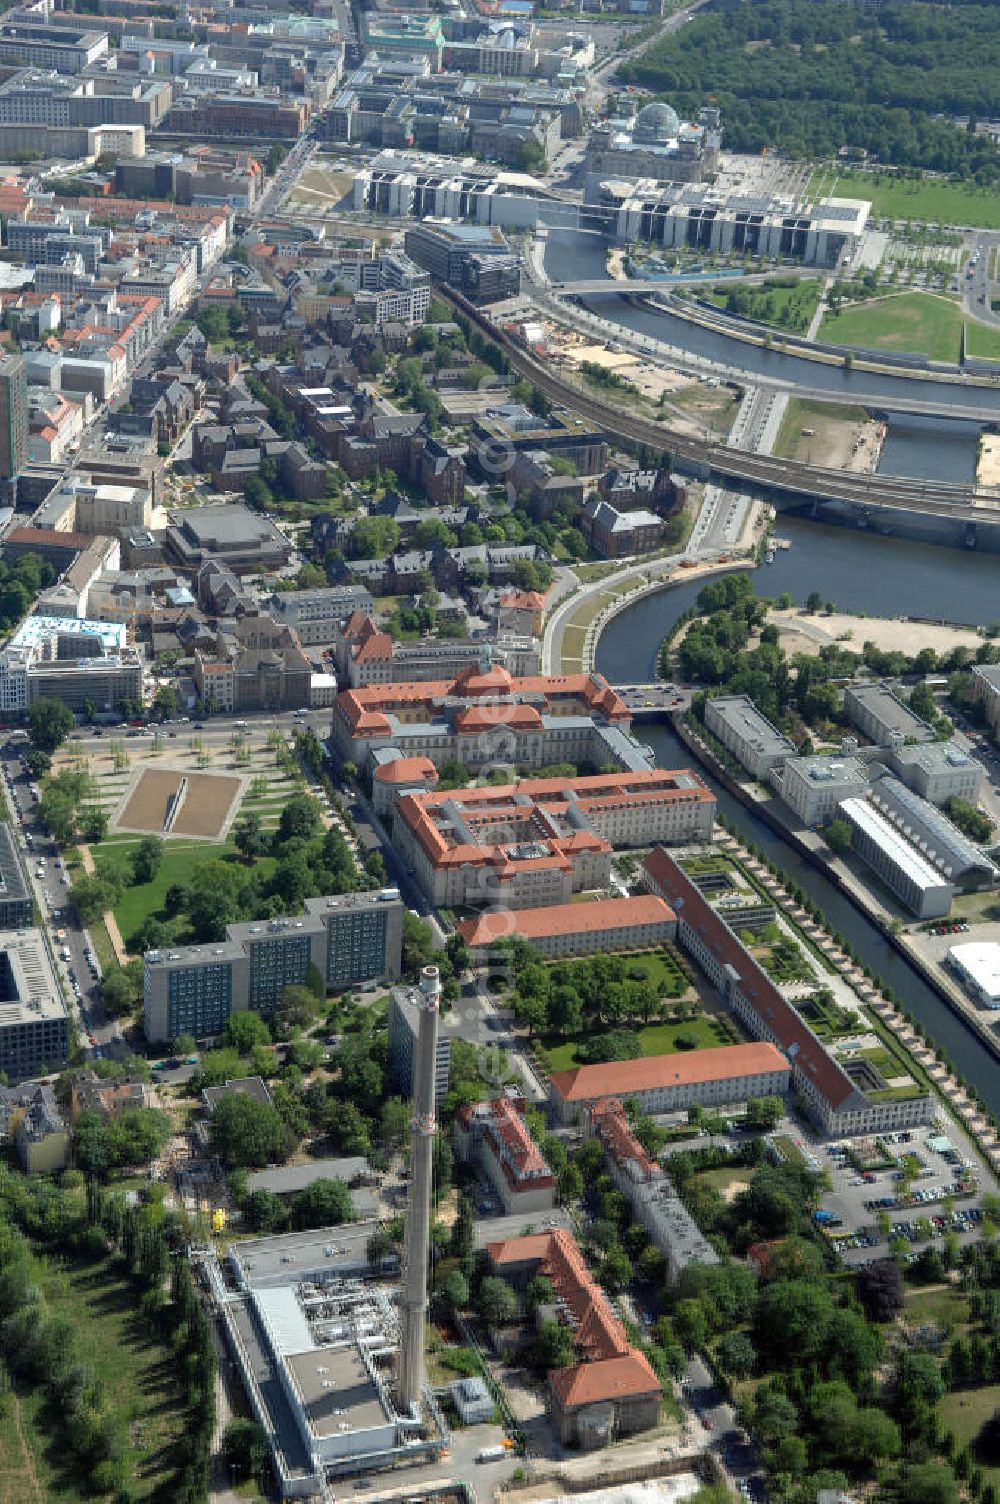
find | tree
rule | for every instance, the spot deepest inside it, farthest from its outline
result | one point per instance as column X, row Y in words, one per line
column 94, row 824
column 736, row 1355
column 394, row 1123
column 538, row 1293
column 690, row 1324
column 792, row 1316
column 37, row 762
column 264, row 1212
column 554, row 1345
column 244, row 1446
column 49, row 723
column 970, row 820
column 250, row 837
column 245, row 1029
column 258, row 493
column 456, row 1290
column 325, row 1203
column 496, row 1302
column 880, row 1289
column 813, row 601
column 838, row 835
column 299, row 818
column 118, row 995
column 146, row 859
column 930, row 1482
column 299, row 1006
column 93, row 896
column 248, row 1132
column 375, row 537
column 165, row 701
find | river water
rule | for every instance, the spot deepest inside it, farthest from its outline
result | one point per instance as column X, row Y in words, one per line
column 860, row 572
column 936, row 449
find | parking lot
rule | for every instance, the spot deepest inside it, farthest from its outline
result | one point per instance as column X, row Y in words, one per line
column 941, row 1189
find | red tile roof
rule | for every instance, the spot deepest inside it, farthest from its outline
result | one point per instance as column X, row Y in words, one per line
column 542, row 815
column 623, row 1078
column 611, row 1368
column 622, row 1378
column 571, row 694
column 565, row 919
column 778, row 1017
column 406, row 770
column 612, row 1127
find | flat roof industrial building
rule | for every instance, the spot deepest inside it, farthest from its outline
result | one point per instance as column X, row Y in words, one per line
column 978, row 965
column 900, row 866
column 315, row 1339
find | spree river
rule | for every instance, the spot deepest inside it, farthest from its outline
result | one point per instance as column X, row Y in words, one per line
column 860, row 572
column 924, row 448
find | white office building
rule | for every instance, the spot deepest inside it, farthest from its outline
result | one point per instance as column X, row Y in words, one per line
column 812, row 787
column 938, row 771
column 904, row 871
column 749, row 736
column 978, row 965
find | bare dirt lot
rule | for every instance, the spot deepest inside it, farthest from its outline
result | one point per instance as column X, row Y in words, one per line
column 802, row 632
column 204, row 812
column 206, row 808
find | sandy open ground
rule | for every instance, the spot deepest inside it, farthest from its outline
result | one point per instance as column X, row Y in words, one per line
column 800, row 632
column 988, row 472
column 204, row 812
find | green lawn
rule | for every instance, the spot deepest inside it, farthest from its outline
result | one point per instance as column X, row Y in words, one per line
column 656, row 1039
column 980, row 342
column 722, row 1179
column 928, row 199
column 179, row 862
column 948, row 1308
column 136, row 1371
column 913, row 321
column 964, row 1412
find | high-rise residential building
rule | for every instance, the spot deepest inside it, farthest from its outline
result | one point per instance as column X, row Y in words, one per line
column 350, row 938
column 404, row 1031
column 13, row 418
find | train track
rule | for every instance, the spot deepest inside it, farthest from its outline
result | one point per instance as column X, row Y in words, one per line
column 809, row 482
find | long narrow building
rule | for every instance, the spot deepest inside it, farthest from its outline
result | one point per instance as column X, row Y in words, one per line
column 839, row 1106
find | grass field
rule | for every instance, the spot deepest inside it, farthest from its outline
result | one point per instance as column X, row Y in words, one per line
column 913, row 321
column 824, row 418
column 138, row 1376
column 178, row 865
column 981, row 342
column 930, row 200
column 789, row 308
column 948, row 1308
column 922, row 322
